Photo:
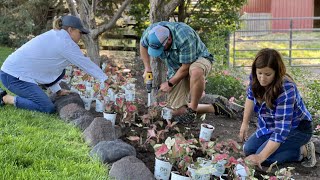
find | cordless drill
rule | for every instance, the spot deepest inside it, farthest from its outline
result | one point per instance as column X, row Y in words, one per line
column 148, row 81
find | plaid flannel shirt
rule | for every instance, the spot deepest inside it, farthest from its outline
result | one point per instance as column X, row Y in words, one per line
column 186, row 46
column 289, row 110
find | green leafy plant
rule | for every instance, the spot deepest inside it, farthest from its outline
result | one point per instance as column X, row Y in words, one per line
column 313, row 96
column 226, row 85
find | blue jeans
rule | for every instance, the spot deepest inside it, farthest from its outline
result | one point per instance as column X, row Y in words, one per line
column 288, row 151
column 28, row 95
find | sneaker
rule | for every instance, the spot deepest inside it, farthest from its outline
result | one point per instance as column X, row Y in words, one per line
column 187, row 117
column 222, row 108
column 311, row 158
column 2, row 93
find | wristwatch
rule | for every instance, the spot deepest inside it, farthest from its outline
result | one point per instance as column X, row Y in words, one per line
column 170, row 84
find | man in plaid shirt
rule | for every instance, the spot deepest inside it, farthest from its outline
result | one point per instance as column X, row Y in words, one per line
column 188, row 62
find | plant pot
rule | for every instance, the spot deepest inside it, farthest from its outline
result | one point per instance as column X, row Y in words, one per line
column 129, row 95
column 99, row 105
column 241, row 171
column 206, row 131
column 219, row 168
column 197, row 176
column 89, row 91
column 176, row 176
column 110, row 117
column 166, row 113
column 87, row 102
column 162, row 169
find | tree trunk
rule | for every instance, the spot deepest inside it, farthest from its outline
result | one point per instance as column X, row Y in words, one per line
column 87, row 13
column 160, row 11
column 92, row 46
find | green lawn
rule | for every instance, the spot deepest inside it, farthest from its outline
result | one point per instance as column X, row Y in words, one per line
column 39, row 146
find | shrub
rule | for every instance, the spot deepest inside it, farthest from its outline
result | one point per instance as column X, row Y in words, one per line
column 226, row 85
column 312, row 97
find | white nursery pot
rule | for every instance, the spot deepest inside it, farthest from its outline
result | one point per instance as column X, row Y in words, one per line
column 110, row 117
column 219, row 168
column 129, row 95
column 197, row 176
column 241, row 171
column 166, row 113
column 162, row 169
column 99, row 105
column 206, row 131
column 87, row 103
column 176, row 176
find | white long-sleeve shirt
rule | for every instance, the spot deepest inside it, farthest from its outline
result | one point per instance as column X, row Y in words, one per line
column 42, row 59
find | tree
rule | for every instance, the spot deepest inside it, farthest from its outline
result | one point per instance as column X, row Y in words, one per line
column 21, row 20
column 160, row 10
column 99, row 16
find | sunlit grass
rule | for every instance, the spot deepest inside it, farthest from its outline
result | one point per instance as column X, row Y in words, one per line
column 40, row 146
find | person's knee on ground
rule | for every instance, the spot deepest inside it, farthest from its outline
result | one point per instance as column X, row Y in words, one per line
column 248, row 150
column 48, row 108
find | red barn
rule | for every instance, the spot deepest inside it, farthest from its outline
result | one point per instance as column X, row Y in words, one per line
column 286, row 9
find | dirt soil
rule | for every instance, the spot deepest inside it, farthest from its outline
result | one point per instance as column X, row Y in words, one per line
column 225, row 128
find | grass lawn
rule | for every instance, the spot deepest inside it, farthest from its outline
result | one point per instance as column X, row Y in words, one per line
column 39, row 146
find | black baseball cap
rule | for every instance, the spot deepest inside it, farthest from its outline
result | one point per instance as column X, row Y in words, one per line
column 75, row 22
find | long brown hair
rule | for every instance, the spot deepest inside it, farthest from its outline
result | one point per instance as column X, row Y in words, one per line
column 272, row 59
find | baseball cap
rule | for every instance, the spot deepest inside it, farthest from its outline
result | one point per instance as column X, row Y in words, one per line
column 73, row 21
column 158, row 37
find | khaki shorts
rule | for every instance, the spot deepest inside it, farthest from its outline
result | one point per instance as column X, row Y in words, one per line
column 179, row 95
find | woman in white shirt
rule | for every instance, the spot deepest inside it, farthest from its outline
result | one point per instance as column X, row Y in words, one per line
column 42, row 61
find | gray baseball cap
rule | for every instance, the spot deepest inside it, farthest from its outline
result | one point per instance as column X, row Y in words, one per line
column 75, row 22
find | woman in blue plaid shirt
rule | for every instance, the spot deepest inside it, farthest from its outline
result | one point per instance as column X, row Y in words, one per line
column 284, row 123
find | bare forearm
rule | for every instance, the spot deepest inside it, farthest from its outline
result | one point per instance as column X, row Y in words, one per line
column 269, row 149
column 248, row 109
column 145, row 58
column 182, row 72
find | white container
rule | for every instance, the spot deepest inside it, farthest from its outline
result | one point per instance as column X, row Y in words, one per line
column 110, row 117
column 129, row 95
column 241, row 171
column 87, row 102
column 219, row 168
column 176, row 176
column 162, row 169
column 197, row 176
column 99, row 105
column 166, row 113
column 206, row 131
column 89, row 91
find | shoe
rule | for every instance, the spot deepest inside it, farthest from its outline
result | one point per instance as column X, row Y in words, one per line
column 311, row 158
column 221, row 108
column 186, row 118
column 2, row 93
